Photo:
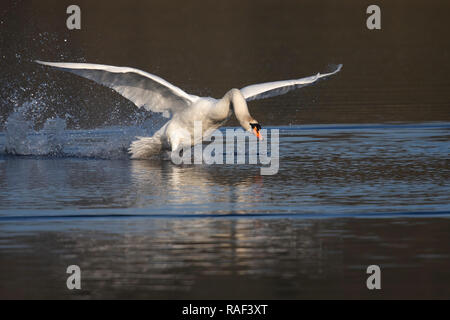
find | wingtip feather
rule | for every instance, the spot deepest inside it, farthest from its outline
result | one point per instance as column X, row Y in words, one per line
column 45, row 63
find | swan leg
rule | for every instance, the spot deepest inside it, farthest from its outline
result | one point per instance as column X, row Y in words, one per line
column 175, row 149
column 177, row 153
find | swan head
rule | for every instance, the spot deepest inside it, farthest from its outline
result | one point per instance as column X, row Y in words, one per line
column 255, row 128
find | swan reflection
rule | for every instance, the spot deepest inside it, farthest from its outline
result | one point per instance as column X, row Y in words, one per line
column 194, row 188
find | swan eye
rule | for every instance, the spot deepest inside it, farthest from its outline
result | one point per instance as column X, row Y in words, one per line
column 255, row 125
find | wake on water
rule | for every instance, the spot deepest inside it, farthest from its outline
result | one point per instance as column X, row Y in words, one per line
column 54, row 139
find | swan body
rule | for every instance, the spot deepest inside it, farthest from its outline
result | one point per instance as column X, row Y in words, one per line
column 183, row 110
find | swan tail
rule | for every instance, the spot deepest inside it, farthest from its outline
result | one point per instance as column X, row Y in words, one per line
column 145, row 148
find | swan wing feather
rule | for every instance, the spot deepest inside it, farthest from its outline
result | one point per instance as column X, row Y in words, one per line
column 143, row 89
column 272, row 89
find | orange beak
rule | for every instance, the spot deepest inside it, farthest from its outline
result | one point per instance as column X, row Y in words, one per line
column 257, row 133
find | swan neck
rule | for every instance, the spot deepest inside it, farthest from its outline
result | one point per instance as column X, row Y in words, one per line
column 239, row 106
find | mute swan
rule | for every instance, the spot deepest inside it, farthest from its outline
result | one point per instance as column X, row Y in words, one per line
column 157, row 95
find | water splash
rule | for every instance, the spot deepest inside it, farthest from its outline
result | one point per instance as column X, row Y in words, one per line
column 54, row 139
column 17, row 131
column 22, row 139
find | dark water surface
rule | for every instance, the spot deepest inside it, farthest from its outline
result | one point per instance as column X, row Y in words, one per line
column 345, row 197
column 364, row 155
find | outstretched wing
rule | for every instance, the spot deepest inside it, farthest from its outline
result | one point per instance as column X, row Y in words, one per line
column 142, row 88
column 272, row 89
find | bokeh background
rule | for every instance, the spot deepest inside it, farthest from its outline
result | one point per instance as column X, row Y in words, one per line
column 397, row 74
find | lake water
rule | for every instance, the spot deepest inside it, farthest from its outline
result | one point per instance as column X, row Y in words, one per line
column 345, row 197
column 364, row 155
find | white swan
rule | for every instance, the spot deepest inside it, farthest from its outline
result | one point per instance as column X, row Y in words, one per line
column 157, row 95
